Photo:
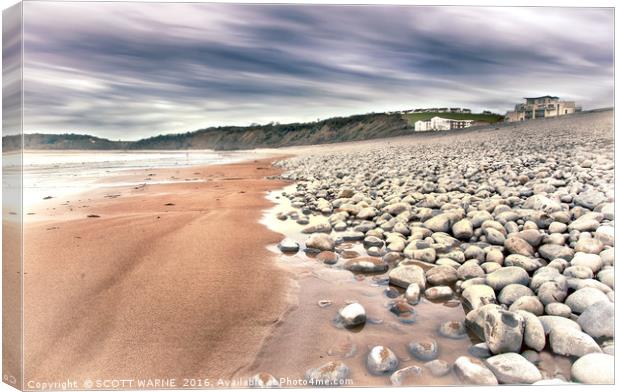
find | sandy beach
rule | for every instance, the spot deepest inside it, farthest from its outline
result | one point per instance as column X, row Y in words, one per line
column 432, row 241
column 169, row 280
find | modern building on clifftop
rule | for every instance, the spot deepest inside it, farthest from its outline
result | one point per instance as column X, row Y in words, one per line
column 441, row 124
column 541, row 107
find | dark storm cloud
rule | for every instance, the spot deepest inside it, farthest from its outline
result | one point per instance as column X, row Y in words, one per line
column 128, row 70
column 11, row 70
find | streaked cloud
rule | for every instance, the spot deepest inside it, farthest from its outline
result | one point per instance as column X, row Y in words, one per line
column 129, row 70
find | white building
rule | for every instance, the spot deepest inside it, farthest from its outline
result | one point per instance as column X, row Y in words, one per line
column 541, row 107
column 441, row 124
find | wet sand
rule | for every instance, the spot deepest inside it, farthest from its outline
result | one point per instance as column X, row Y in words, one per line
column 11, row 304
column 169, row 280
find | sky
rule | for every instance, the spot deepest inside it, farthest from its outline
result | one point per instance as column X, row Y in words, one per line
column 133, row 70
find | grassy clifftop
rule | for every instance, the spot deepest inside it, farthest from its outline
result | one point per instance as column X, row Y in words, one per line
column 411, row 118
column 40, row 141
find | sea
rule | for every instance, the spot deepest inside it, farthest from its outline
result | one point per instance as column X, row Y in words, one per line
column 59, row 174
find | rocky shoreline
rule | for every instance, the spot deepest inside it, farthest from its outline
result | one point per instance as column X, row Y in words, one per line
column 517, row 223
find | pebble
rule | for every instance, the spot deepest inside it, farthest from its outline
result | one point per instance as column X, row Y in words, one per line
column 366, row 264
column 571, row 342
column 327, row 257
column 412, row 295
column 333, row 373
column 480, row 350
column 531, row 304
column 407, row 376
column 590, row 199
column 495, row 237
column 322, row 226
column 589, row 245
column 490, row 267
column 473, row 372
column 608, row 347
column 557, row 227
column 542, row 203
column 424, row 350
column 507, row 275
column 597, row 320
column 606, row 277
column 320, row 241
column 546, row 274
column 287, row 245
column 607, row 256
column 512, row 292
column 552, row 291
column 527, row 263
column 352, row 236
column 583, row 298
column 512, row 368
column 439, row 223
column 553, row 251
column 595, row 368
column 477, row 295
column 381, row 361
column 532, row 356
column 438, row 367
column 534, row 332
column 352, row 315
column 519, row 246
column 558, row 309
column 441, row 275
column 372, row 241
column 403, row 310
column 375, row 251
column 561, row 323
column 452, row 329
column 405, row 275
column 503, row 331
column 584, row 224
column 469, row 270
column 324, row 303
column 427, row 255
column 579, row 272
column 474, row 320
column 438, row 293
column 463, row 229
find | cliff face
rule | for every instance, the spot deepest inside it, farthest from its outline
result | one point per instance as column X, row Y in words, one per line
column 332, row 130
column 278, row 135
column 338, row 129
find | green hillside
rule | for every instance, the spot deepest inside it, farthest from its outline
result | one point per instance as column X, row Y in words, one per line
column 68, row 141
column 479, row 117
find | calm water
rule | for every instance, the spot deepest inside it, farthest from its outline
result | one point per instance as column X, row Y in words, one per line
column 62, row 173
